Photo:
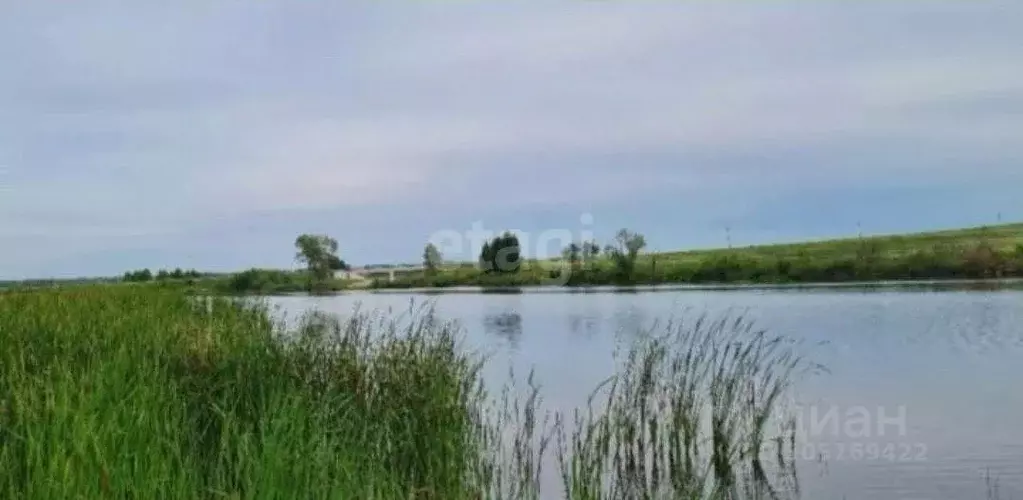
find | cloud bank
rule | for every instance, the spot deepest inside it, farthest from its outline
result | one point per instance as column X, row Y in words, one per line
column 209, row 135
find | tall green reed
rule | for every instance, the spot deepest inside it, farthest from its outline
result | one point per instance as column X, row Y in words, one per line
column 692, row 413
column 141, row 392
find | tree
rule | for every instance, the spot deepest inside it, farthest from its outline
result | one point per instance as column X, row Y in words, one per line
column 432, row 258
column 590, row 251
column 625, row 250
column 162, row 275
column 572, row 253
column 486, row 255
column 142, row 275
column 501, row 254
column 177, row 274
column 336, row 264
column 319, row 253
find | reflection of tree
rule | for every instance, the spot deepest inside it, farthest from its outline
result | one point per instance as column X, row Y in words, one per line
column 587, row 325
column 507, row 325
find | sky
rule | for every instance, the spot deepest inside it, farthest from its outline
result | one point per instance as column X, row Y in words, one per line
column 209, row 135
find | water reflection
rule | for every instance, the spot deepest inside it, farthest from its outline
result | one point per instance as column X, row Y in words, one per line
column 507, row 325
column 631, row 322
column 948, row 355
column 584, row 325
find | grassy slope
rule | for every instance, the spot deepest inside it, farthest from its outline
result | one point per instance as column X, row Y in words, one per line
column 1002, row 237
column 978, row 252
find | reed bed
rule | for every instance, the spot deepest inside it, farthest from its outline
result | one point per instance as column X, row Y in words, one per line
column 134, row 392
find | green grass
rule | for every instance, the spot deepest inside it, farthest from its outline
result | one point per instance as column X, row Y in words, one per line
column 144, row 392
column 1003, row 238
column 975, row 253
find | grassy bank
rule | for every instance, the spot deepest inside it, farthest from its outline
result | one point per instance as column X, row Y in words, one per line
column 976, row 253
column 145, row 393
column 141, row 392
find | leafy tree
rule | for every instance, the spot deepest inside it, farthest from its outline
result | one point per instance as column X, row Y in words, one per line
column 163, row 275
column 590, row 251
column 625, row 250
column 432, row 258
column 572, row 253
column 142, row 275
column 336, row 264
column 486, row 255
column 501, row 254
column 319, row 253
column 177, row 274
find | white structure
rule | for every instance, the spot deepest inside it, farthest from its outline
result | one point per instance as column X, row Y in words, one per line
column 390, row 273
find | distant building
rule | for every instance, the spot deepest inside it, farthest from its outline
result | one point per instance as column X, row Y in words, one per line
column 377, row 272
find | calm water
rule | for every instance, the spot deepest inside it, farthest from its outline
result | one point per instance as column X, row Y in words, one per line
column 936, row 374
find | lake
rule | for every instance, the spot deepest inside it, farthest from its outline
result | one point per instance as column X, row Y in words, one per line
column 933, row 374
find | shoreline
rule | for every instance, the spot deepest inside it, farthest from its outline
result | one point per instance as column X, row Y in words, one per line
column 893, row 285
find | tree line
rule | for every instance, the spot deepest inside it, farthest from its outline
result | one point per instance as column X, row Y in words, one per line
column 501, row 261
column 502, row 254
column 144, row 275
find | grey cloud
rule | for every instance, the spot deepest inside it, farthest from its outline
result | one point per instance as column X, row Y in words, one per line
column 117, row 118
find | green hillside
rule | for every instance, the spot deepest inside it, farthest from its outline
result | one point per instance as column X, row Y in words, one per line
column 969, row 253
column 1002, row 238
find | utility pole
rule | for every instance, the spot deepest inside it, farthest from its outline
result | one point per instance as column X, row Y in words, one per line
column 859, row 230
column 728, row 235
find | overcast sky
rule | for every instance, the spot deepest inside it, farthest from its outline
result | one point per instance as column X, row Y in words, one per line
column 210, row 134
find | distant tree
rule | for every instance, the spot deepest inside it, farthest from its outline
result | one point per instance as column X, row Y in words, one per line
column 501, row 254
column 509, row 256
column 590, row 251
column 432, row 258
column 336, row 264
column 572, row 253
column 141, row 275
column 485, row 257
column 163, row 275
column 177, row 274
column 625, row 250
column 319, row 253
